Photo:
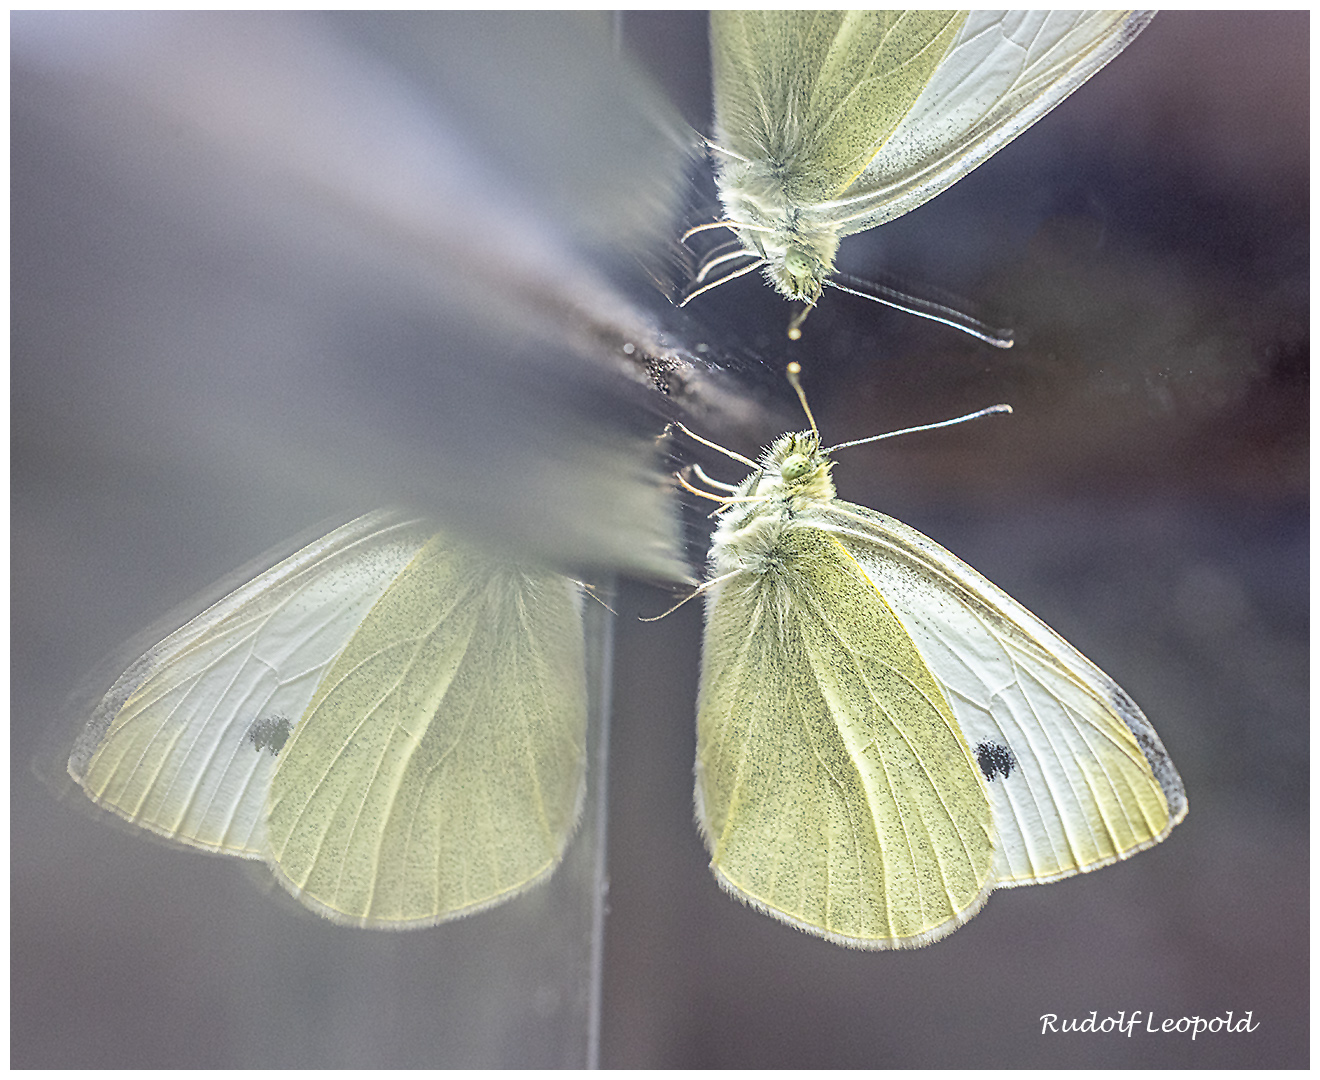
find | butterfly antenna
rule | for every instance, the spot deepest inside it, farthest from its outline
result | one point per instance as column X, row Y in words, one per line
column 794, row 370
column 924, row 427
column 926, row 309
column 795, row 326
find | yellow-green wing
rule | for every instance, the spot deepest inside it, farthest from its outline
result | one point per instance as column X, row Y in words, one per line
column 186, row 741
column 1004, row 72
column 816, row 93
column 440, row 766
column 834, row 788
column 1077, row 776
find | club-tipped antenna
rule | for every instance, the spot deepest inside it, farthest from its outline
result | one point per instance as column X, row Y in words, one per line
column 988, row 411
column 795, row 324
column 794, row 370
column 915, row 305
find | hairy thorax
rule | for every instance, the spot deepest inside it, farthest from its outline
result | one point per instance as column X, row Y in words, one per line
column 791, row 485
column 797, row 242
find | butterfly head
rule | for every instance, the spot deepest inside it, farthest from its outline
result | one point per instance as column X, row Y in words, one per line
column 795, row 246
column 796, row 467
column 791, row 478
column 798, row 273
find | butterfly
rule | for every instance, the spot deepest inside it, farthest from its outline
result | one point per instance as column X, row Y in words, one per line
column 883, row 736
column 828, row 123
column 391, row 719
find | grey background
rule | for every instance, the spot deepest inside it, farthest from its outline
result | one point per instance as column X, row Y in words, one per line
column 1149, row 498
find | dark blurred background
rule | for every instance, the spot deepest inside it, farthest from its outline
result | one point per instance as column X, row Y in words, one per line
column 225, row 333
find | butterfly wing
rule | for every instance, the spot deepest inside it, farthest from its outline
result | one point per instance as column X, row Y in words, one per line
column 1077, row 777
column 816, row 93
column 1004, row 72
column 834, row 788
column 441, row 765
column 186, row 742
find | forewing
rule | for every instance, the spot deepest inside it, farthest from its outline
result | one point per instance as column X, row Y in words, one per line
column 1077, row 776
column 441, row 765
column 187, row 740
column 814, row 94
column 834, row 790
column 1004, row 72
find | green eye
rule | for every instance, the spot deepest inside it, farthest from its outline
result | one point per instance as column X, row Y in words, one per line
column 795, row 467
column 796, row 262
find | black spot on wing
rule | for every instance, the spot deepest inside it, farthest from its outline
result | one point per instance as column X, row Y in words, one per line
column 270, row 733
column 995, row 758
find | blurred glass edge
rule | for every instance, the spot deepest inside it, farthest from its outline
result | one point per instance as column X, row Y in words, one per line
column 290, row 259
column 339, row 261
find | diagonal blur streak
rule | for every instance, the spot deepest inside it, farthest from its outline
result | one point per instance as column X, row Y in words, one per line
column 337, row 261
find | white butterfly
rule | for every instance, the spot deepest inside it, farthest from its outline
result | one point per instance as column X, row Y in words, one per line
column 828, row 123
column 394, row 721
column 884, row 737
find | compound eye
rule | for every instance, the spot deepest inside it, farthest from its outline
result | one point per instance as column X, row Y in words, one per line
column 795, row 466
column 797, row 263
